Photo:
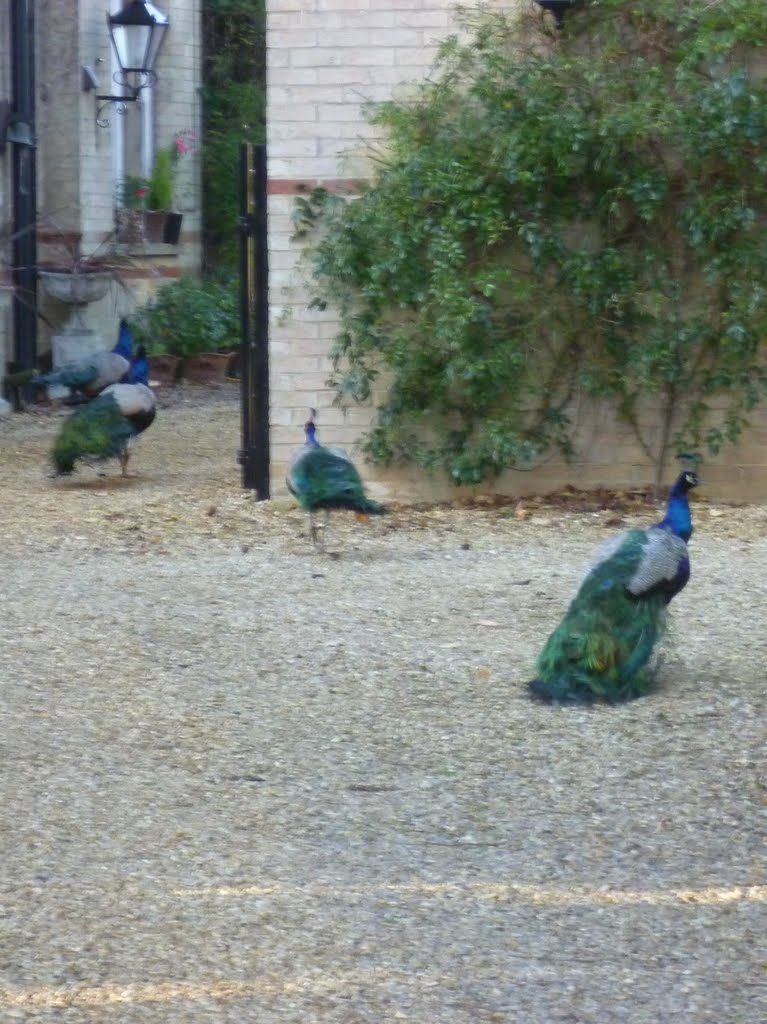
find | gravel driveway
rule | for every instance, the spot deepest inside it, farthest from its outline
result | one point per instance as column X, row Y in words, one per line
column 248, row 782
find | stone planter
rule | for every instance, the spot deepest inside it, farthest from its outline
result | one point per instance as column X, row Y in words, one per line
column 74, row 340
column 76, row 289
column 130, row 227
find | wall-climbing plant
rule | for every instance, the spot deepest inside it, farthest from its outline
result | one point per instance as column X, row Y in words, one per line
column 559, row 215
column 233, row 104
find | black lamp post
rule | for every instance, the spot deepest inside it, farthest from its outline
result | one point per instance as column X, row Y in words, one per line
column 137, row 33
column 558, row 8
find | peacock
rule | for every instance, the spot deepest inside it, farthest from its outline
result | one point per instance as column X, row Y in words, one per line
column 601, row 648
column 90, row 375
column 320, row 477
column 105, row 427
column 139, row 367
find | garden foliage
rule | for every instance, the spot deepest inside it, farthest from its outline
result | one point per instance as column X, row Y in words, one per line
column 187, row 317
column 559, row 215
column 234, row 112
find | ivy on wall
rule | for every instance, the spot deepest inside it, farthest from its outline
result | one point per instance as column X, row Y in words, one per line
column 234, row 112
column 557, row 215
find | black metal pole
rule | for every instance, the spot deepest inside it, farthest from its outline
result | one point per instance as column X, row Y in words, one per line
column 22, row 137
column 254, row 313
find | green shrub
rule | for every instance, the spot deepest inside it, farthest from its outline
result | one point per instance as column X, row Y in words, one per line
column 188, row 317
column 556, row 215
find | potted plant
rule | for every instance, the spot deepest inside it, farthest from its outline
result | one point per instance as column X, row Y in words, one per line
column 159, row 197
column 181, row 150
column 190, row 329
column 131, row 198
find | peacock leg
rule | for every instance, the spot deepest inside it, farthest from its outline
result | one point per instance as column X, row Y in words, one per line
column 313, row 528
column 123, row 457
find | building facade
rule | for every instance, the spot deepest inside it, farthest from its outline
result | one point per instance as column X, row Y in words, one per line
column 76, row 152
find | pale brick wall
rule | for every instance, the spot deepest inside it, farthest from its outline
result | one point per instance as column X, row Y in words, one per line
column 326, row 58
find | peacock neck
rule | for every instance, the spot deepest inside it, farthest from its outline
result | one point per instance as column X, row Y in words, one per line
column 311, row 435
column 678, row 518
column 124, row 346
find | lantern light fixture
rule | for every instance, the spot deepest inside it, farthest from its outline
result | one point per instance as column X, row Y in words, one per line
column 137, row 33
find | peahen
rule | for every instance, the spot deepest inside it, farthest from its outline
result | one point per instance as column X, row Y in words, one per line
column 325, row 478
column 105, row 427
column 92, row 374
column 601, row 649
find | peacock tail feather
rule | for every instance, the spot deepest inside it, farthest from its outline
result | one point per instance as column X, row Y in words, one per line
column 321, row 479
column 601, row 648
column 97, row 431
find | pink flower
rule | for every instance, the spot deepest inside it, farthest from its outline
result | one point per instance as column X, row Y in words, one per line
column 184, row 142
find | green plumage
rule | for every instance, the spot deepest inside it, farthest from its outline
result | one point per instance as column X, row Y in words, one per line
column 321, row 479
column 601, row 649
column 97, row 431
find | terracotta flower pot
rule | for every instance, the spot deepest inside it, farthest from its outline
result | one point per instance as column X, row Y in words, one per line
column 154, row 225
column 208, row 366
column 165, row 369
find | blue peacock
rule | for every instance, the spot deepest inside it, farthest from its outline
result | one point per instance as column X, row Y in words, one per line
column 139, row 367
column 601, row 649
column 104, row 428
column 320, row 477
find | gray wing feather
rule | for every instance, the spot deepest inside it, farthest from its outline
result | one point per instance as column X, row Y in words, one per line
column 661, row 557
column 132, row 399
column 110, row 368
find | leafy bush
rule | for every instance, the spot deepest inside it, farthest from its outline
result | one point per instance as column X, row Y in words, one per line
column 560, row 214
column 188, row 317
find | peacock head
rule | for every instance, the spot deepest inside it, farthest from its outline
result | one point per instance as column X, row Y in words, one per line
column 688, row 478
column 684, row 483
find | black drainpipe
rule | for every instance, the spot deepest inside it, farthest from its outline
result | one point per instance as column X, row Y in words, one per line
column 21, row 134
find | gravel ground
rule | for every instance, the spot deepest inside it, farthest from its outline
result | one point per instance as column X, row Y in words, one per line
column 245, row 781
